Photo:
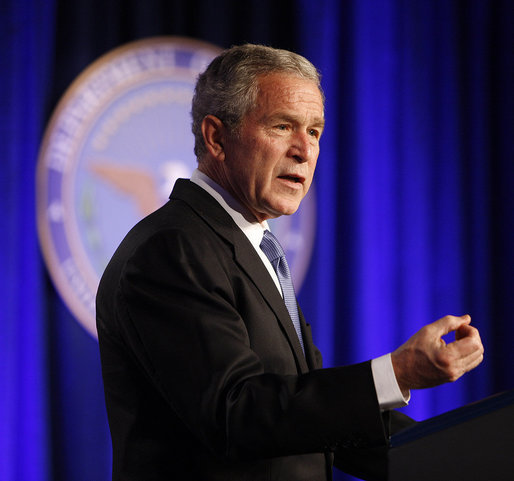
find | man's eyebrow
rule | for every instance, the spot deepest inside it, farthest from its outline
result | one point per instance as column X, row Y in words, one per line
column 285, row 117
column 319, row 122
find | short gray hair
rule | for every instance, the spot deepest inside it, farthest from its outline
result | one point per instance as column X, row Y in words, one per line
column 228, row 88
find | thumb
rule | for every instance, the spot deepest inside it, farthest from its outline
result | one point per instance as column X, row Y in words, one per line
column 451, row 323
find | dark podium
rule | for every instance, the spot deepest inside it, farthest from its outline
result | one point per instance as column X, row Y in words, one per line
column 471, row 443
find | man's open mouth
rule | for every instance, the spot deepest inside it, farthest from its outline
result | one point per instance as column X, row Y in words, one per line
column 292, row 178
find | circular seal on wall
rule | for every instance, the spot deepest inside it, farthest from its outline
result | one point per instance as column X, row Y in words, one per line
column 115, row 145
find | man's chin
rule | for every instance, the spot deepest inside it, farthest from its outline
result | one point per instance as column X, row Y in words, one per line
column 279, row 211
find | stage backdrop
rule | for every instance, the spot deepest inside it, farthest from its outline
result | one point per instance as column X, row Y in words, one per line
column 414, row 194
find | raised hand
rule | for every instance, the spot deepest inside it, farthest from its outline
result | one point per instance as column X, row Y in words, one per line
column 426, row 360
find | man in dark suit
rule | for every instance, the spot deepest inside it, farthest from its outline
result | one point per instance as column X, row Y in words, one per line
column 206, row 375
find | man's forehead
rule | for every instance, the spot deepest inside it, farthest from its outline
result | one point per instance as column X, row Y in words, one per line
column 282, row 78
column 287, row 88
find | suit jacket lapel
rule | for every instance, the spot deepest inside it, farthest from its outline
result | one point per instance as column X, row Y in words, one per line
column 245, row 255
column 251, row 263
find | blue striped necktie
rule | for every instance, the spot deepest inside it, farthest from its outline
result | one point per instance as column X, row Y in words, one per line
column 274, row 252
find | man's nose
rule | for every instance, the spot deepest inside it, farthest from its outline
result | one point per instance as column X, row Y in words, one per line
column 303, row 147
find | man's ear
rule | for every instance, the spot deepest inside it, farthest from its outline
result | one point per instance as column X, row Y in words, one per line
column 214, row 132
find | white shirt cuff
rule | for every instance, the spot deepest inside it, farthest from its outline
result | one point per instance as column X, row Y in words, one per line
column 388, row 392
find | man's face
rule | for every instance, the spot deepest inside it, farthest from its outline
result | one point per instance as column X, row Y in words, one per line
column 270, row 163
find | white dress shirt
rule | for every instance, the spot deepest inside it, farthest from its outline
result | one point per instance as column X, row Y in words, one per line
column 388, row 392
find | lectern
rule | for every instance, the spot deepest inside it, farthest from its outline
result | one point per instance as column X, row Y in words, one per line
column 471, row 443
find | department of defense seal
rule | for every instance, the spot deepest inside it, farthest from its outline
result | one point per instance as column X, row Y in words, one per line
column 116, row 143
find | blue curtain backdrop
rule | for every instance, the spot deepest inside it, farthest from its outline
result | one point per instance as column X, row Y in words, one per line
column 414, row 183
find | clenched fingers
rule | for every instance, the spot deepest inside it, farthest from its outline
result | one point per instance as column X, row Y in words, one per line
column 462, row 355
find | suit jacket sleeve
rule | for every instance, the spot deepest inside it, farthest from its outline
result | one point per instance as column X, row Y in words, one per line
column 371, row 462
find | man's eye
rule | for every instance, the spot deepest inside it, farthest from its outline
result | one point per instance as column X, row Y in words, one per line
column 314, row 133
column 281, row 127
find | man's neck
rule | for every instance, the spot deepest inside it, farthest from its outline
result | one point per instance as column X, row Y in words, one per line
column 227, row 201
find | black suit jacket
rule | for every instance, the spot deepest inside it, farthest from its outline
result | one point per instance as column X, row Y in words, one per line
column 204, row 375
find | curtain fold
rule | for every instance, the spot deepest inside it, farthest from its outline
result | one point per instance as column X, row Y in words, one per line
column 26, row 44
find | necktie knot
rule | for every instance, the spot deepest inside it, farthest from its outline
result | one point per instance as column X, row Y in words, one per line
column 271, row 247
